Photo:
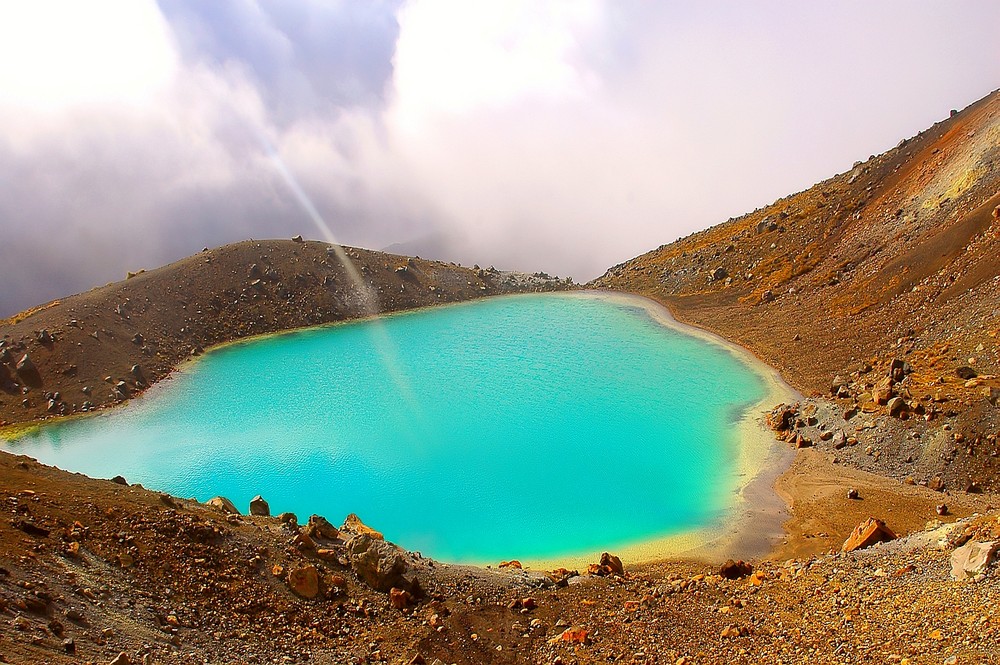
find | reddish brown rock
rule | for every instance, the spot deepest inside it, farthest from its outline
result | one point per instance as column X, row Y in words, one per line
column 612, row 564
column 304, row 581
column 511, row 564
column 303, row 542
column 883, row 392
column 319, row 527
column 258, row 506
column 223, row 504
column 574, row 636
column 868, row 533
column 399, row 598
column 781, row 417
column 734, row 570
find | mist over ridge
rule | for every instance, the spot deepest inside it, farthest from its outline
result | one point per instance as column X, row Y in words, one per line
column 563, row 138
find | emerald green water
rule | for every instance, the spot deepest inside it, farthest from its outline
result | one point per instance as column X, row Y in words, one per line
column 520, row 427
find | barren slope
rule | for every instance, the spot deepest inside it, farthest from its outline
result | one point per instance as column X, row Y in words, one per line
column 895, row 259
column 81, row 347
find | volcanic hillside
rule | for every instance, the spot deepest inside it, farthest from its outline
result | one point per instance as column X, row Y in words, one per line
column 895, row 259
column 100, row 347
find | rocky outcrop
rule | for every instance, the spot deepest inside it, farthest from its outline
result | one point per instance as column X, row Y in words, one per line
column 379, row 563
column 319, row 528
column 354, row 526
column 608, row 565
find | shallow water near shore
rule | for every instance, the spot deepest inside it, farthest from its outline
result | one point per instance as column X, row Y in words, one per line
column 531, row 427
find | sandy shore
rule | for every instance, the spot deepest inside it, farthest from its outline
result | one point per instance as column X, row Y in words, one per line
column 822, row 516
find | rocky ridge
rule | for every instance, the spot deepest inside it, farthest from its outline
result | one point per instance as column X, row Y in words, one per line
column 98, row 348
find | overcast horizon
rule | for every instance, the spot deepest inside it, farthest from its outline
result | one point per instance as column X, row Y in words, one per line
column 564, row 137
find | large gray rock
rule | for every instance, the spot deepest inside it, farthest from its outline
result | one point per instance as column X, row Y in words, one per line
column 379, row 563
column 972, row 559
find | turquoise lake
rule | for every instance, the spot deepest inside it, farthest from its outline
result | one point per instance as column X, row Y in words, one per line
column 526, row 427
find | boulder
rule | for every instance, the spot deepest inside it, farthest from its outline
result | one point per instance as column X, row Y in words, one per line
column 380, row 564
column 258, row 506
column 839, row 439
column 868, row 533
column 27, row 371
column 735, row 570
column 399, row 598
column 837, row 383
column 304, row 581
column 883, row 392
column 223, row 504
column 781, row 417
column 303, row 541
column 609, row 565
column 992, row 395
column 610, row 561
column 966, row 373
column 972, row 559
column 719, row 274
column 319, row 527
column 898, row 369
column 896, row 406
column 297, row 238
column 354, row 526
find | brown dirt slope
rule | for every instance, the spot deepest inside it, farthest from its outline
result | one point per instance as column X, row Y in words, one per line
column 896, row 258
column 82, row 346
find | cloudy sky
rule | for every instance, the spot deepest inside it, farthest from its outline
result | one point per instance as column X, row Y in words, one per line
column 556, row 136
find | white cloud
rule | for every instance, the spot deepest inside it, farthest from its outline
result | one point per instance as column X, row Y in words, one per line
column 60, row 53
column 557, row 136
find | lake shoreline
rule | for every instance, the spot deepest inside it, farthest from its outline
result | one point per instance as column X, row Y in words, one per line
column 753, row 526
column 660, row 499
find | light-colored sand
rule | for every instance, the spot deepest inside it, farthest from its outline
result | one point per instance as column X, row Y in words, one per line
column 822, row 516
